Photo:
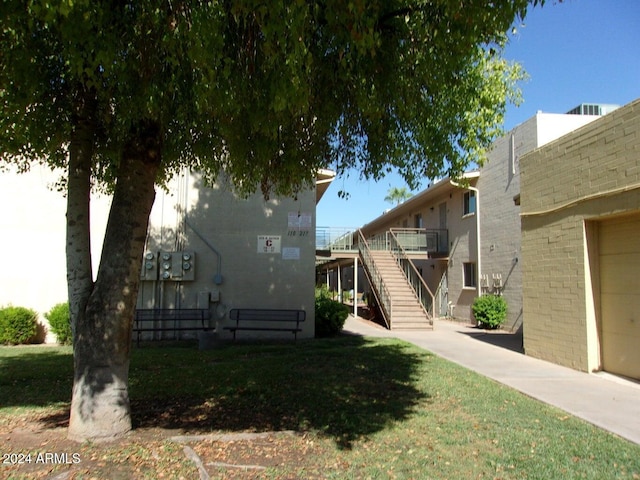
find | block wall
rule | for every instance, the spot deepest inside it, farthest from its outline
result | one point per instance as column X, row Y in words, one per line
column 588, row 175
column 499, row 183
column 225, row 233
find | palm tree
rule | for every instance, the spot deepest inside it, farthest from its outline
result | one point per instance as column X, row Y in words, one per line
column 397, row 195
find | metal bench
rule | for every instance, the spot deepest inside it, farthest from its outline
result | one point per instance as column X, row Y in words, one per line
column 147, row 320
column 273, row 320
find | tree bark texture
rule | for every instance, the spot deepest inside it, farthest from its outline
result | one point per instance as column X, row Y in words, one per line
column 78, row 242
column 100, row 408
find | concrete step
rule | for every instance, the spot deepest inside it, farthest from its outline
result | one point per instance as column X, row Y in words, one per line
column 407, row 307
column 406, row 310
column 411, row 326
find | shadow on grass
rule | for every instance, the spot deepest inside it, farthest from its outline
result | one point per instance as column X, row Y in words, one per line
column 343, row 388
column 36, row 376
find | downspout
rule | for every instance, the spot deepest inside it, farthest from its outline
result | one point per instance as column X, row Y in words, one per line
column 479, row 257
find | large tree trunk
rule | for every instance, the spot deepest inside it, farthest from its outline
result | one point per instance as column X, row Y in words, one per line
column 78, row 246
column 100, row 408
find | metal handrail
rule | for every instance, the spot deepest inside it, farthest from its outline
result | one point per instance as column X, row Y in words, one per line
column 334, row 238
column 419, row 286
column 430, row 240
column 379, row 289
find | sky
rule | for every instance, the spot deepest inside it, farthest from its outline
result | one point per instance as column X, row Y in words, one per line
column 576, row 51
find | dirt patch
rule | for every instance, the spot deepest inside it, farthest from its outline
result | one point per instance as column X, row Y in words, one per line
column 293, row 456
column 35, row 446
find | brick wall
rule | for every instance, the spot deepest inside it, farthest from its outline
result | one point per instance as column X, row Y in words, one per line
column 588, row 175
column 499, row 182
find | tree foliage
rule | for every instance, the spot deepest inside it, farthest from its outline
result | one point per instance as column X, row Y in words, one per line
column 124, row 94
column 270, row 92
column 397, row 195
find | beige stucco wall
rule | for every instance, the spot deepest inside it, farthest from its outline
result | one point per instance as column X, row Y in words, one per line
column 32, row 223
column 32, row 226
column 566, row 186
column 231, row 226
column 463, row 248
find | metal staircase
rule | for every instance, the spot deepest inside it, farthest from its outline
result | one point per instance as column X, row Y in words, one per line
column 404, row 299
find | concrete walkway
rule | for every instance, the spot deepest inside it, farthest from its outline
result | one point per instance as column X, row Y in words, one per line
column 606, row 401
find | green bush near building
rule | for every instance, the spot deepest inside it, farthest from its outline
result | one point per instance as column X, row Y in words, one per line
column 490, row 311
column 59, row 322
column 17, row 325
column 330, row 315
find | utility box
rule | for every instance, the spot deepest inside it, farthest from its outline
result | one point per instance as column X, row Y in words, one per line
column 177, row 266
column 188, row 267
column 149, row 267
column 166, row 263
column 203, row 300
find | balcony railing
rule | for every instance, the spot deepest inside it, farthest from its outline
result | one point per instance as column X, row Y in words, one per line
column 430, row 240
column 336, row 239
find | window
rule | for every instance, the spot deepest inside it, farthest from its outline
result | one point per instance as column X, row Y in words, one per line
column 469, row 273
column 469, row 203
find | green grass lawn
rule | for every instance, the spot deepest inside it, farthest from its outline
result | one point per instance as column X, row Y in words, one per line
column 374, row 408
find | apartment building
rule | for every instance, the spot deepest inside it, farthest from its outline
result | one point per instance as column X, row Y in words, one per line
column 463, row 235
column 206, row 248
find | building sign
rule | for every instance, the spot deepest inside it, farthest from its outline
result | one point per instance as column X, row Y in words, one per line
column 268, row 243
column 299, row 224
column 299, row 220
column 291, row 253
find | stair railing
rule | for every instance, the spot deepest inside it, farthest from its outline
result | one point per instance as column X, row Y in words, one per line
column 379, row 289
column 420, row 288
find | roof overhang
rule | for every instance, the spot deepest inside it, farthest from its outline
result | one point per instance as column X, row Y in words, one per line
column 324, row 178
column 429, row 194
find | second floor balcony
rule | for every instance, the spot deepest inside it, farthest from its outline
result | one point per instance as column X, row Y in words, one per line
column 432, row 242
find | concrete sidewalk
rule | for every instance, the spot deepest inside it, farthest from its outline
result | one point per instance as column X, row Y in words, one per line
column 607, row 401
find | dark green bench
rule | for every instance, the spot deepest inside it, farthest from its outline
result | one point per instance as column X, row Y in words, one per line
column 266, row 319
column 173, row 320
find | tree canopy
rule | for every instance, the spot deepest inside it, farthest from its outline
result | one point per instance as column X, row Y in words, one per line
column 397, row 195
column 125, row 93
column 269, row 93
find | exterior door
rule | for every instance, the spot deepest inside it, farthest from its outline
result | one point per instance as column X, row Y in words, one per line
column 619, row 257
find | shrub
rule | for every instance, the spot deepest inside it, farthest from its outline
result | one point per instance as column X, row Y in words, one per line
column 58, row 318
column 330, row 315
column 490, row 311
column 17, row 325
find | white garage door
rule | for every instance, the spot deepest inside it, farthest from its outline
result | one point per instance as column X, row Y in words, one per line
column 619, row 245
